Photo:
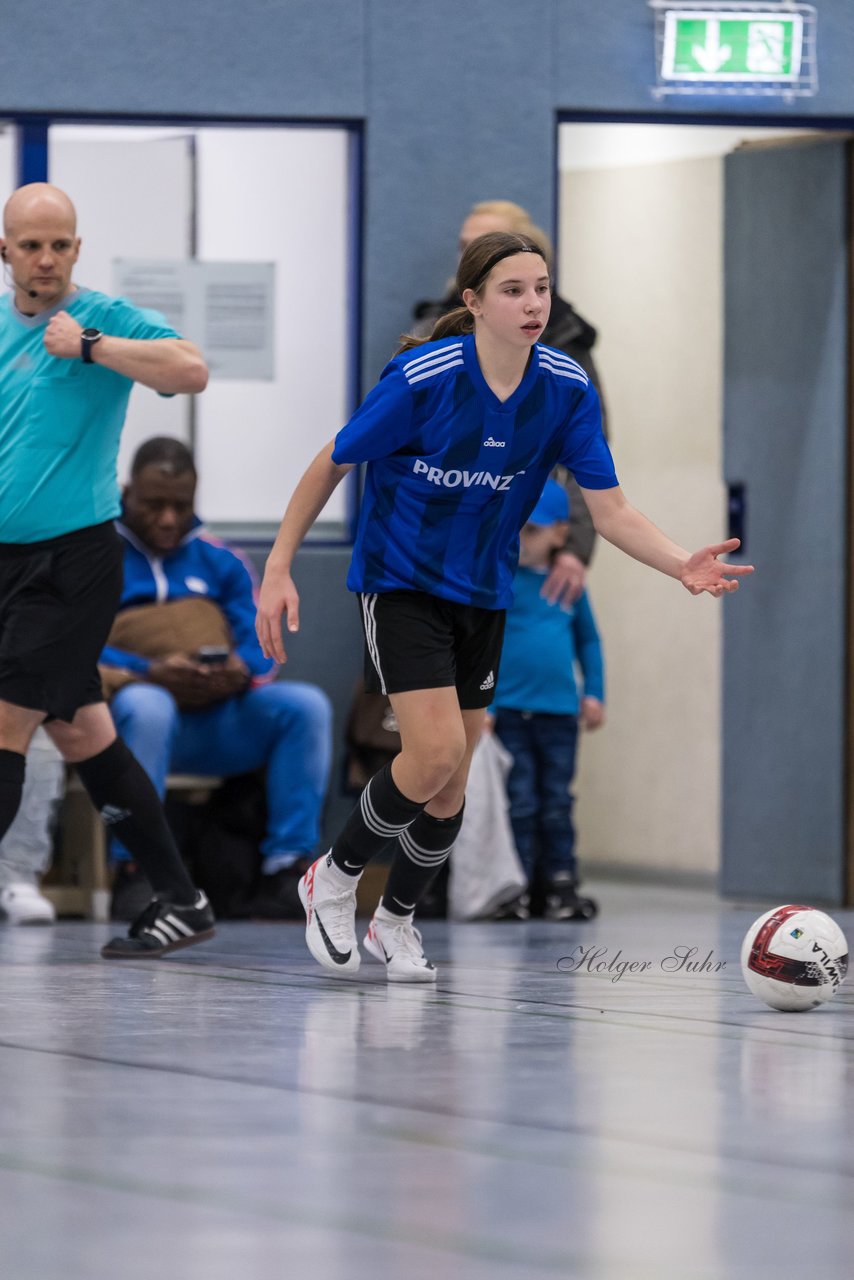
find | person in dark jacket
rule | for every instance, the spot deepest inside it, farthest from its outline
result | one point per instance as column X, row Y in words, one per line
column 569, row 332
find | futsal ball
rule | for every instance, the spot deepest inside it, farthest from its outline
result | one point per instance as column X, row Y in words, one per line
column 794, row 958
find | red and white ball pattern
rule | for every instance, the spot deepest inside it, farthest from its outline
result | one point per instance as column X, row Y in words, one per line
column 794, row 958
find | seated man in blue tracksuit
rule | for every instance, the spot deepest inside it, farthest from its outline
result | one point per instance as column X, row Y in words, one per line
column 212, row 709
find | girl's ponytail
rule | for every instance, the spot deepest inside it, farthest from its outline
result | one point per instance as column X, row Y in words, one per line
column 452, row 324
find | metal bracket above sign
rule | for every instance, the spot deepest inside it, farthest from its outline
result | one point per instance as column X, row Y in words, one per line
column 735, row 47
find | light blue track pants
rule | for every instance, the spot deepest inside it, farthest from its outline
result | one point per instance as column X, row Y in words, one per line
column 285, row 727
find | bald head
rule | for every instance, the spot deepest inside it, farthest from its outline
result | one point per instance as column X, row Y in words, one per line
column 38, row 201
column 39, row 246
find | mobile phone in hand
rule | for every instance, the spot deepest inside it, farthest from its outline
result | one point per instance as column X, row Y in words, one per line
column 212, row 655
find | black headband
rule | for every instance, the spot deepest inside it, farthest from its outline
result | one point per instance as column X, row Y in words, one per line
column 499, row 256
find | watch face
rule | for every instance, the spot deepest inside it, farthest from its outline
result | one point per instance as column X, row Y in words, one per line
column 91, row 333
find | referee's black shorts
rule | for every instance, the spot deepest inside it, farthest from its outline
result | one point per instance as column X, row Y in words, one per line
column 414, row 640
column 58, row 599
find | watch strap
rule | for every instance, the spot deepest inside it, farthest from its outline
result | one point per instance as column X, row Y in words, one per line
column 88, row 338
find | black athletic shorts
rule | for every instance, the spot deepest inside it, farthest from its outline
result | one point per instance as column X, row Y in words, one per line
column 417, row 641
column 58, row 599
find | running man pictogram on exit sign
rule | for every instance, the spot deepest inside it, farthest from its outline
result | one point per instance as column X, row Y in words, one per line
column 725, row 46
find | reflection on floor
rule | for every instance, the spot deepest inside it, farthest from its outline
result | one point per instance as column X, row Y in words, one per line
column 230, row 1113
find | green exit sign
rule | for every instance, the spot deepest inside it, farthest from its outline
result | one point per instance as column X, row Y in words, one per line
column 731, row 46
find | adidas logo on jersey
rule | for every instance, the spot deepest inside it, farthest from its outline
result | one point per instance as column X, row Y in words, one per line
column 489, row 682
column 489, row 443
column 453, row 479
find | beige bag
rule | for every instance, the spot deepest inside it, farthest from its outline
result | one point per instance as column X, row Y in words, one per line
column 155, row 630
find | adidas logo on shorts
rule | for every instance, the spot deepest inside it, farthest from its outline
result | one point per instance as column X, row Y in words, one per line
column 489, row 682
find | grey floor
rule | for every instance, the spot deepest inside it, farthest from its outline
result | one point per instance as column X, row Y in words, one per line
column 229, row 1112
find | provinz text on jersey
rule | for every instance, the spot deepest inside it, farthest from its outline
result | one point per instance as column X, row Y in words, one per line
column 453, row 479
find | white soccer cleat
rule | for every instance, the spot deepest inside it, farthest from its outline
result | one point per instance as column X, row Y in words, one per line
column 23, row 904
column 330, row 918
column 396, row 943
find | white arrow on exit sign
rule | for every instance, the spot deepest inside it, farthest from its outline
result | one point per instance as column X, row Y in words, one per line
column 712, row 55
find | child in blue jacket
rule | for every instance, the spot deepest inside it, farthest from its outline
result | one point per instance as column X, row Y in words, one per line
column 538, row 710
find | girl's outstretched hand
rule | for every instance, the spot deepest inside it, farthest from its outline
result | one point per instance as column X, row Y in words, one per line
column 704, row 572
column 278, row 601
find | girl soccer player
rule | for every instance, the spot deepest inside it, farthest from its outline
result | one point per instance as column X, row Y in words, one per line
column 459, row 437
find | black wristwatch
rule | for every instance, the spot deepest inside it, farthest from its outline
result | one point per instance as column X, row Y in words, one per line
column 88, row 338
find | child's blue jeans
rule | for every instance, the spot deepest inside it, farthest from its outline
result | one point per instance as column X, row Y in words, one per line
column 543, row 748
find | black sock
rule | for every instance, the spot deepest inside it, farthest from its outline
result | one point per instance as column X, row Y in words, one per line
column 125, row 797
column 382, row 813
column 12, row 767
column 421, row 851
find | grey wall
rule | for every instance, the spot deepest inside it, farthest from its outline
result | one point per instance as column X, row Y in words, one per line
column 786, row 263
column 459, row 99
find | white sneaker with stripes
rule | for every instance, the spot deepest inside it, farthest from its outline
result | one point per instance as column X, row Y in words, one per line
column 396, row 943
column 163, row 927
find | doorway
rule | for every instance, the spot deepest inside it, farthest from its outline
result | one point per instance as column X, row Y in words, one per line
column 646, row 239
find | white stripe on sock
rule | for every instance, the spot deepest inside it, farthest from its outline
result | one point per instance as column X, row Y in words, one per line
column 375, row 823
column 420, row 856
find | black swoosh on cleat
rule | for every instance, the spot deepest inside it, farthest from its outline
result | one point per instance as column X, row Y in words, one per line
column 340, row 957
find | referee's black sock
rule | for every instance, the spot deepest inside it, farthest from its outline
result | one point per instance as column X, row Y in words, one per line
column 422, row 850
column 12, row 767
column 383, row 812
column 125, row 797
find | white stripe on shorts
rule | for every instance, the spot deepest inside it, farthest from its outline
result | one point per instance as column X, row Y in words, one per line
column 368, row 607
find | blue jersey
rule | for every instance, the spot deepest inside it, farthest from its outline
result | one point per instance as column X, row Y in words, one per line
column 453, row 472
column 61, row 420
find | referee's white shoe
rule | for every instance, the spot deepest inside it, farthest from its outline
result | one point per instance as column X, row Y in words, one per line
column 21, row 903
column 329, row 898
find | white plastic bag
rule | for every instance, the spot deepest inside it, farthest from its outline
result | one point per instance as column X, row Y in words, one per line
column 485, row 868
column 26, row 848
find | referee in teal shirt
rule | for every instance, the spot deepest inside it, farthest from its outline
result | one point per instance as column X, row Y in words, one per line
column 68, row 360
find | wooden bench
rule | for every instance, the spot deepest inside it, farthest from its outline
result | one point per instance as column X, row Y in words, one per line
column 79, row 882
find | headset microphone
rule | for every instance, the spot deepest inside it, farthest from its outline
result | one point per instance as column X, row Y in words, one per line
column 31, row 293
